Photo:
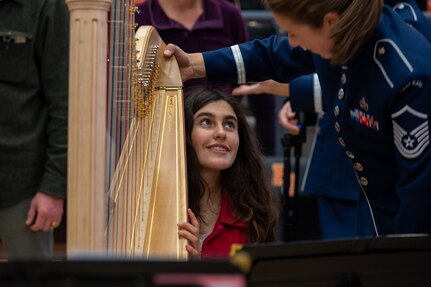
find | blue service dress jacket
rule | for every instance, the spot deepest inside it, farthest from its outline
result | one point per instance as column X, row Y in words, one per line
column 379, row 102
column 327, row 157
column 329, row 172
column 306, row 95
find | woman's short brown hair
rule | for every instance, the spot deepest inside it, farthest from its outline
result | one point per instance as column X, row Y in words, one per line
column 358, row 19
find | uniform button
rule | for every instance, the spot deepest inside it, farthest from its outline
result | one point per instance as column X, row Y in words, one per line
column 350, row 154
column 363, row 181
column 336, row 111
column 340, row 94
column 401, row 6
column 358, row 166
column 382, row 51
column 343, row 78
column 337, row 127
column 342, row 143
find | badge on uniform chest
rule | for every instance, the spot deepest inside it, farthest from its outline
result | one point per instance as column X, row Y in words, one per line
column 362, row 117
column 363, row 104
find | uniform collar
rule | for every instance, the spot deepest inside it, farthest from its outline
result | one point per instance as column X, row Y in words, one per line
column 211, row 17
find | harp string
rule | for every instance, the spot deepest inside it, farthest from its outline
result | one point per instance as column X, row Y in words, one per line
column 131, row 137
column 122, row 135
column 145, row 143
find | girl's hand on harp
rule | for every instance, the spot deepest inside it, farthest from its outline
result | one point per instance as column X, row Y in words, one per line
column 191, row 66
column 190, row 232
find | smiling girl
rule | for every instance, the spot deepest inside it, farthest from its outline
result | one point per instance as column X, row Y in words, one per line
column 231, row 199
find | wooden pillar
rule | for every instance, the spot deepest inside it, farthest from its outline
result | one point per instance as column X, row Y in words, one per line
column 86, row 220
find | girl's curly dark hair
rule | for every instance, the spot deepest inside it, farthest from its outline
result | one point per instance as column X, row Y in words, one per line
column 247, row 180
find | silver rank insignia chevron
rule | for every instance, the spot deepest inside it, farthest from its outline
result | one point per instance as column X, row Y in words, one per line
column 411, row 132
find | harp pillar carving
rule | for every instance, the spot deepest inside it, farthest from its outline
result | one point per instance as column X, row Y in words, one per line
column 87, row 126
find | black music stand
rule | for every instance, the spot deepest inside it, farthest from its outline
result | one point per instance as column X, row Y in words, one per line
column 398, row 261
column 292, row 144
column 93, row 272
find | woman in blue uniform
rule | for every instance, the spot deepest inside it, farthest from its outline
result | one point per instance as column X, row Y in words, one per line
column 329, row 175
column 375, row 73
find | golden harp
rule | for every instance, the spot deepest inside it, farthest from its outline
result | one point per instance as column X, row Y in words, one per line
column 127, row 186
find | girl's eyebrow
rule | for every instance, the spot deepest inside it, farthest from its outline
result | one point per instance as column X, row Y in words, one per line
column 211, row 115
column 204, row 114
column 232, row 118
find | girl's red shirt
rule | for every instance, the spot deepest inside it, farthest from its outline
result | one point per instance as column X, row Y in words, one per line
column 227, row 231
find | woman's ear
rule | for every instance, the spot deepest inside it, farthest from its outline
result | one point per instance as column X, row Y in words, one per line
column 330, row 19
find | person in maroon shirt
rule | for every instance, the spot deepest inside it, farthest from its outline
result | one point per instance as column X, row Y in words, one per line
column 194, row 25
column 231, row 200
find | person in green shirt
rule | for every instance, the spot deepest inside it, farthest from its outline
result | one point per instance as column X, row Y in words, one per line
column 34, row 44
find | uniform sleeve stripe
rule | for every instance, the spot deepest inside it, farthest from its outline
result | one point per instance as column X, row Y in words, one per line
column 424, row 136
column 420, row 134
column 420, row 129
column 317, row 94
column 412, row 111
column 240, row 68
column 413, row 153
column 398, row 130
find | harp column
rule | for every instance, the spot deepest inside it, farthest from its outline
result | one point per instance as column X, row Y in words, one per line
column 86, row 220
